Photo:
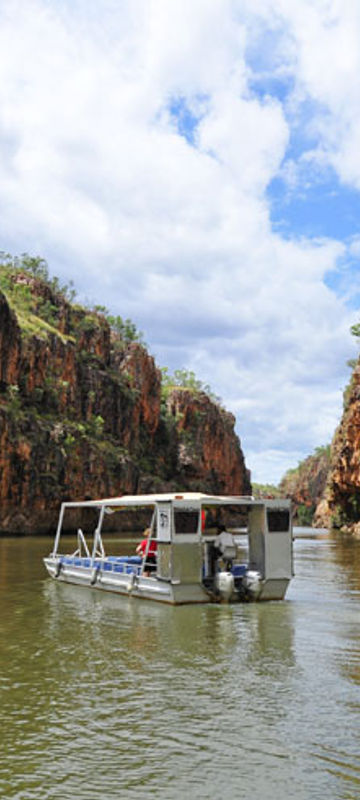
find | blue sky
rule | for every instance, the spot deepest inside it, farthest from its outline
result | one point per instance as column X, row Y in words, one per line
column 324, row 208
column 195, row 166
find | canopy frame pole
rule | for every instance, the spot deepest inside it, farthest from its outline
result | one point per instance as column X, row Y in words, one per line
column 58, row 530
column 97, row 536
column 152, row 528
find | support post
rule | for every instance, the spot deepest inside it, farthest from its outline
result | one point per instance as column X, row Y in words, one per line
column 58, row 531
column 97, row 534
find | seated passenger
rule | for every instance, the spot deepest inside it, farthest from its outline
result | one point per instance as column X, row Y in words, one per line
column 150, row 564
column 225, row 546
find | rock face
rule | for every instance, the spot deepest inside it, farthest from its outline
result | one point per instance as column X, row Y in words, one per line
column 329, row 485
column 82, row 416
column 306, row 484
column 209, row 455
column 341, row 506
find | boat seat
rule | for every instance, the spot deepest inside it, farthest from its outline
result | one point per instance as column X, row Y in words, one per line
column 81, row 561
column 125, row 564
column 128, row 569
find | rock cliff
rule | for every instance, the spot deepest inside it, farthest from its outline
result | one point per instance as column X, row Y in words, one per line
column 325, row 488
column 341, row 504
column 83, row 414
column 305, row 485
column 209, row 456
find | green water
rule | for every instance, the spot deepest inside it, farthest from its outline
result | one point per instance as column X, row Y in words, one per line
column 109, row 697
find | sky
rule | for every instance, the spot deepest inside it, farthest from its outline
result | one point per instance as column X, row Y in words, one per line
column 195, row 166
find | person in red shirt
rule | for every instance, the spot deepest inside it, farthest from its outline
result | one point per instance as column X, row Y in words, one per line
column 150, row 564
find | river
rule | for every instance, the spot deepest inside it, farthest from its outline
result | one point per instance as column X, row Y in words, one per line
column 108, row 697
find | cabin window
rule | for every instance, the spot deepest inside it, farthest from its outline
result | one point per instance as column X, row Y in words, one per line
column 186, row 521
column 278, row 521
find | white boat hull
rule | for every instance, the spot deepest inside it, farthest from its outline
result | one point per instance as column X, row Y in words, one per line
column 150, row 588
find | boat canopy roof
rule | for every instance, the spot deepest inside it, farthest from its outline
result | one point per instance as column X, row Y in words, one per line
column 136, row 501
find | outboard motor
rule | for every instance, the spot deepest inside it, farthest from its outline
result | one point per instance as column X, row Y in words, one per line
column 252, row 583
column 225, row 585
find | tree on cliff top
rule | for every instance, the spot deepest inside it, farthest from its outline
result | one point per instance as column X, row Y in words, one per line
column 124, row 328
column 355, row 330
column 186, row 379
column 37, row 267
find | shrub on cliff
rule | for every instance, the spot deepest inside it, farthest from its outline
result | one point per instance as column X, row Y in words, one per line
column 125, row 329
column 186, row 379
column 265, row 490
column 36, row 267
column 42, row 303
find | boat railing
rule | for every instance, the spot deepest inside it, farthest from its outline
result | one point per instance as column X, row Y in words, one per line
column 98, row 548
column 81, row 543
column 82, row 546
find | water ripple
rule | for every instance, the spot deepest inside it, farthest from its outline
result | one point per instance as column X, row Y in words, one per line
column 105, row 696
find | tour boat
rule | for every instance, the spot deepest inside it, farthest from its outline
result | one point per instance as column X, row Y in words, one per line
column 182, row 531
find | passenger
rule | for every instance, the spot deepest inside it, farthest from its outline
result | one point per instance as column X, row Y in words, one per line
column 150, row 564
column 225, row 546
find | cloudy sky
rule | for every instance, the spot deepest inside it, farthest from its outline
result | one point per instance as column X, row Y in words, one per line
column 195, row 165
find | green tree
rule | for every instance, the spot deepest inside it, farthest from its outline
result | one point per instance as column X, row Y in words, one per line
column 126, row 329
column 187, row 379
column 355, row 330
column 36, row 265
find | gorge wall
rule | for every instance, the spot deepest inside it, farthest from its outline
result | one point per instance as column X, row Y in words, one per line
column 340, row 506
column 305, row 485
column 325, row 488
column 83, row 414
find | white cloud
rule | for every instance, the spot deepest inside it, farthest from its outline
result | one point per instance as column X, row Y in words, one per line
column 95, row 176
column 320, row 46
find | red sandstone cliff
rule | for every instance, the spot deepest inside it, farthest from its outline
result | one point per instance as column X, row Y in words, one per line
column 82, row 416
column 341, row 505
column 328, row 483
column 305, row 485
column 209, row 454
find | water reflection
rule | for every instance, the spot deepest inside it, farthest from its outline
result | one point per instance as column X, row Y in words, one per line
column 345, row 551
column 263, row 634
